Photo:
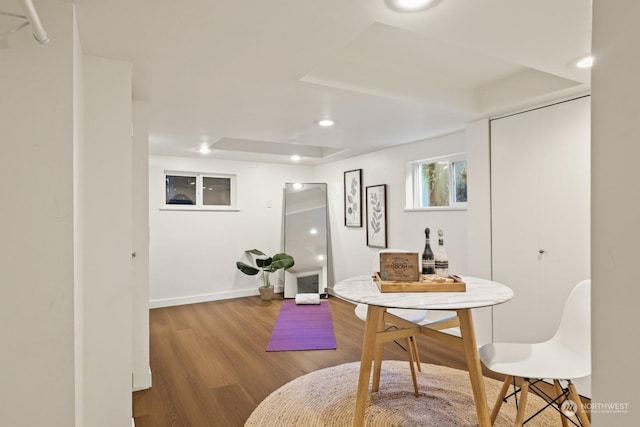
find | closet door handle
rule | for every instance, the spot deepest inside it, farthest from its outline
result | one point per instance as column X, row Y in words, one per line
column 540, row 251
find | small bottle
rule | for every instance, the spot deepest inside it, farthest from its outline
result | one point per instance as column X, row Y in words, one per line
column 442, row 261
column 428, row 260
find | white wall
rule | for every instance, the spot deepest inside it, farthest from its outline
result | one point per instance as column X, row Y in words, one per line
column 349, row 253
column 78, row 223
column 140, row 200
column 479, row 217
column 479, row 198
column 36, row 225
column 204, row 246
column 66, row 307
column 615, row 210
column 193, row 254
column 107, row 246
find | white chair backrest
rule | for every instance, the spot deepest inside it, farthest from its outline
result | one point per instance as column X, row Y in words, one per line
column 574, row 331
column 376, row 259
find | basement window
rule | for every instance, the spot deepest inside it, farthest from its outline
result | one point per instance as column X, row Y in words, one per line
column 438, row 183
column 199, row 191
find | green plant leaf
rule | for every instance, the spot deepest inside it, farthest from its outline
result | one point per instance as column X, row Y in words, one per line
column 263, row 262
column 281, row 260
column 247, row 269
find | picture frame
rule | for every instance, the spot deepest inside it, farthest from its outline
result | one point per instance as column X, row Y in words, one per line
column 376, row 202
column 353, row 198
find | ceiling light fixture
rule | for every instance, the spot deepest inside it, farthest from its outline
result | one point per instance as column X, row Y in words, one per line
column 326, row 122
column 411, row 5
column 586, row 62
column 204, row 149
column 297, row 186
column 295, row 158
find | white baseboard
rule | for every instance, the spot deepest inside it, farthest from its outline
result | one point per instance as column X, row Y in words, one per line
column 142, row 381
column 133, row 422
column 193, row 299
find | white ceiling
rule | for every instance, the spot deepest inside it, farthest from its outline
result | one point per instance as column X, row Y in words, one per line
column 255, row 76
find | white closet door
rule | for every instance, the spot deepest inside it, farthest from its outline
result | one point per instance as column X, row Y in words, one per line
column 516, row 220
column 566, row 235
column 540, row 215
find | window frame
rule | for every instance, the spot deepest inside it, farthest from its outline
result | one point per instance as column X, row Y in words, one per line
column 413, row 184
column 199, row 206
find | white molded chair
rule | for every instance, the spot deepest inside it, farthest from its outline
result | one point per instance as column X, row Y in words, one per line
column 566, row 356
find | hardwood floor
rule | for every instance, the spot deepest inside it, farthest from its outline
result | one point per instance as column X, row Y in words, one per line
column 210, row 367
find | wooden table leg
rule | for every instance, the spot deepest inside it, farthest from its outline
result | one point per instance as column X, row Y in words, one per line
column 374, row 314
column 474, row 367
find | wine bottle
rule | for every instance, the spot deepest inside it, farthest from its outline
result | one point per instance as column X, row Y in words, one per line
column 428, row 260
column 442, row 261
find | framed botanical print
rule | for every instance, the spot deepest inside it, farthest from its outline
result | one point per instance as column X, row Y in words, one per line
column 376, row 196
column 353, row 198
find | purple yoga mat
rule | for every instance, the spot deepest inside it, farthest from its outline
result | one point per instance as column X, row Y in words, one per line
column 303, row 327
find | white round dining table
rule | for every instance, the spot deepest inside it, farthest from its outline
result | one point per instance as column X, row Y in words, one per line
column 364, row 289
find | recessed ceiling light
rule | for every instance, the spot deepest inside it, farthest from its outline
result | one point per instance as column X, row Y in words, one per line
column 295, row 158
column 586, row 62
column 326, row 122
column 297, row 186
column 411, row 5
column 313, row 231
column 204, row 149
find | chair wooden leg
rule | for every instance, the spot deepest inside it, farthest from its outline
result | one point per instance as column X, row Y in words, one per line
column 503, row 392
column 416, row 354
column 413, row 369
column 559, row 392
column 575, row 397
column 377, row 359
column 523, row 402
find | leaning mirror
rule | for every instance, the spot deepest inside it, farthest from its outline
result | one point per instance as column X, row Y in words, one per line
column 305, row 238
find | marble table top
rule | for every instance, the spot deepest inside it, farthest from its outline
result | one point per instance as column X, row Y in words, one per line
column 479, row 293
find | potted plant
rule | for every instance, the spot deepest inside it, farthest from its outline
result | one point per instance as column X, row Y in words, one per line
column 266, row 265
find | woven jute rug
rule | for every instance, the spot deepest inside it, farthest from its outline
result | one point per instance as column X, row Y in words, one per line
column 327, row 398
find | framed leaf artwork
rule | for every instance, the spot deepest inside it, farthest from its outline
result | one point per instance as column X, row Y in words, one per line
column 376, row 200
column 353, row 198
